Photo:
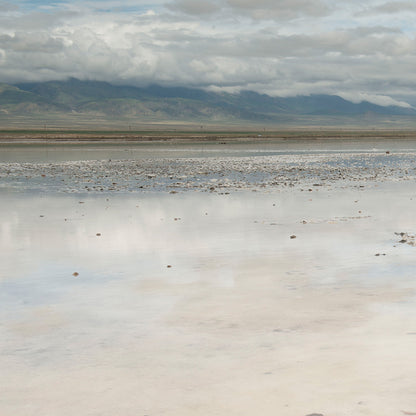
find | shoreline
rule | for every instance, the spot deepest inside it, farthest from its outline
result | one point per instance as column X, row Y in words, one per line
column 28, row 137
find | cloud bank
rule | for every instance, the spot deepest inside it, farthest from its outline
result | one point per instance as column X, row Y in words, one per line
column 279, row 47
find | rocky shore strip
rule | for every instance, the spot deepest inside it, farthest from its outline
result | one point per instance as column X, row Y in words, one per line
column 305, row 172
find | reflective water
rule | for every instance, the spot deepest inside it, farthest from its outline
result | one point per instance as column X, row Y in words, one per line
column 198, row 303
column 72, row 152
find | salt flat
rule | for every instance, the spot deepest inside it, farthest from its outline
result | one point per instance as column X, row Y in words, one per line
column 226, row 281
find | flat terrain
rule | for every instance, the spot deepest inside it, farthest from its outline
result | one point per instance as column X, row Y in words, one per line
column 188, row 135
column 201, row 278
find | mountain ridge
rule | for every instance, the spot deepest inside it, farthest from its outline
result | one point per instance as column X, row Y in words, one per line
column 156, row 102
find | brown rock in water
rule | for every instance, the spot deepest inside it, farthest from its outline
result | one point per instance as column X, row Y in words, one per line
column 292, row 237
column 75, row 274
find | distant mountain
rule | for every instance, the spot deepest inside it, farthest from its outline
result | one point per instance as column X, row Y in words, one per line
column 173, row 103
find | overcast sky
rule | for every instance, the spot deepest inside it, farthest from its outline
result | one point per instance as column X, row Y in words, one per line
column 359, row 49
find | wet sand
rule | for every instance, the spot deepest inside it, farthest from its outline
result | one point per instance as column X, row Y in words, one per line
column 170, row 285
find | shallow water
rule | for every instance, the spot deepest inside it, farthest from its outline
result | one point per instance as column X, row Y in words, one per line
column 42, row 153
column 201, row 303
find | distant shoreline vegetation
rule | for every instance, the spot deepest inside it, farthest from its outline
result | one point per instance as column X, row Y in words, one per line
column 34, row 136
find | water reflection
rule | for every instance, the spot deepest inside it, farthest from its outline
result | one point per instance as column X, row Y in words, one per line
column 240, row 300
column 71, row 152
column 137, row 237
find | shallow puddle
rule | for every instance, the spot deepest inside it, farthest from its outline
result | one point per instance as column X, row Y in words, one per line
column 277, row 302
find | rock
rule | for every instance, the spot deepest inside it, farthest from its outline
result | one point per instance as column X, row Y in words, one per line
column 407, row 238
column 75, row 274
column 292, row 237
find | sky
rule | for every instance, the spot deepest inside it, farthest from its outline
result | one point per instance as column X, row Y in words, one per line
column 358, row 49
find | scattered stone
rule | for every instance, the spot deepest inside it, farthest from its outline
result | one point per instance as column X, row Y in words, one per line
column 292, row 237
column 98, row 234
column 407, row 238
column 242, row 173
column 169, row 266
column 75, row 274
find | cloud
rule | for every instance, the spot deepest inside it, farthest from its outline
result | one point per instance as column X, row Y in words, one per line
column 7, row 7
column 258, row 10
column 375, row 99
column 292, row 49
column 278, row 9
column 194, row 7
column 394, row 7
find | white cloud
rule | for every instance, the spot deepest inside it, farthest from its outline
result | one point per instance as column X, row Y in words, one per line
column 375, row 99
column 269, row 46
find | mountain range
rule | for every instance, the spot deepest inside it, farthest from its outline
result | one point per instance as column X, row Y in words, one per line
column 157, row 103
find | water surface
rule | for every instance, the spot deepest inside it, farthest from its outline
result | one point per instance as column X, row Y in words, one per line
column 280, row 301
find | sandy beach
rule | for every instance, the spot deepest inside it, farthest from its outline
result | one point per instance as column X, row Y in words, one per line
column 208, row 279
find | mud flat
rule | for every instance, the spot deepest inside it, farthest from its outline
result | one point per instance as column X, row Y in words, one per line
column 228, row 281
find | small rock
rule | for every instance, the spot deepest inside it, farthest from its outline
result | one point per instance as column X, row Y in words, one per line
column 98, row 234
column 292, row 237
column 169, row 266
column 75, row 274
